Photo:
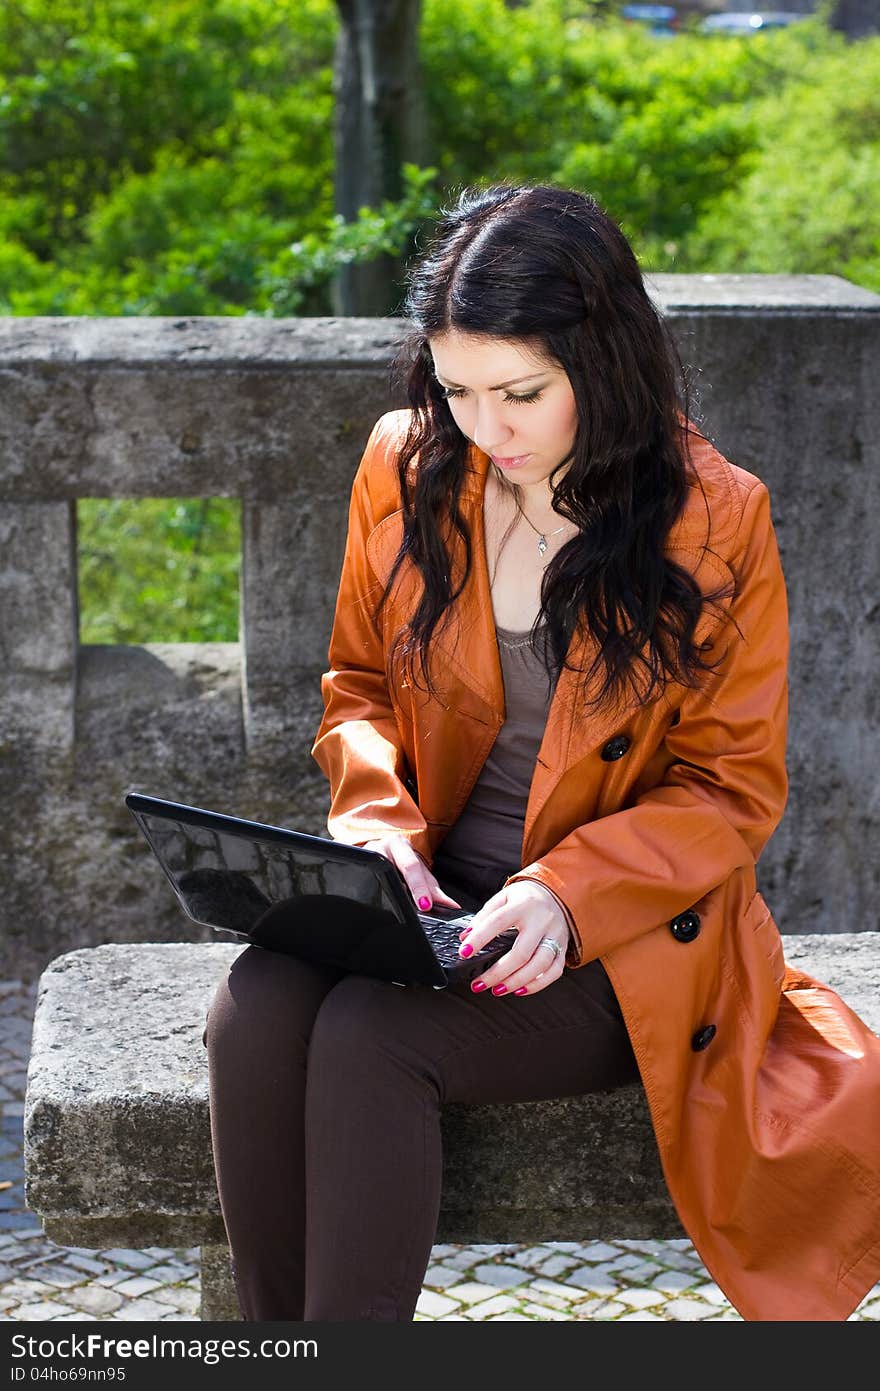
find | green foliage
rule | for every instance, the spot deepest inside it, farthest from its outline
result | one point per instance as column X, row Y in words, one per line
column 160, row 161
column 313, row 261
column 809, row 198
column 159, row 569
column 178, row 159
column 687, row 142
column 651, row 127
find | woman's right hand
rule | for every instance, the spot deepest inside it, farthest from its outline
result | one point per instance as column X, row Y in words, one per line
column 421, row 883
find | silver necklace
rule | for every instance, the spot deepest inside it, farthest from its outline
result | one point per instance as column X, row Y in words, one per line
column 541, row 535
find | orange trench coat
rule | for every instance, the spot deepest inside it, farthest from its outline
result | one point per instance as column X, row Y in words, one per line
column 647, row 822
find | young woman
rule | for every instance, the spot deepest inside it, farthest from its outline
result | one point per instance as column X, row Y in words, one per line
column 557, row 696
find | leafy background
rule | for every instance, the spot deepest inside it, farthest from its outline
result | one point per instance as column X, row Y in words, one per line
column 178, row 160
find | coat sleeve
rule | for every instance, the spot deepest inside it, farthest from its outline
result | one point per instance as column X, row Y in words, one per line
column 725, row 786
column 358, row 745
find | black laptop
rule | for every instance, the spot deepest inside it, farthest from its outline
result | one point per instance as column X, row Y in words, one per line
column 326, row 902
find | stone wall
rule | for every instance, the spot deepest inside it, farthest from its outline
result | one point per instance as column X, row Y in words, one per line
column 276, row 412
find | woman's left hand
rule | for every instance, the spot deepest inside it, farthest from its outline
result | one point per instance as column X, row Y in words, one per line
column 535, row 914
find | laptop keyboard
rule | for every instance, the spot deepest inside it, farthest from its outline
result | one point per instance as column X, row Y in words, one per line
column 444, row 938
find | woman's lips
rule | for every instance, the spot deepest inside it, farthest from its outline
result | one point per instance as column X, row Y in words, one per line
column 513, row 462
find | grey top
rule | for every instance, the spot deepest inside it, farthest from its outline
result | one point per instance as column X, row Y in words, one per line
column 489, row 831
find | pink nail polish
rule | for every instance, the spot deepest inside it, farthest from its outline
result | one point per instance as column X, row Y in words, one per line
column 499, row 989
column 477, row 986
column 466, row 950
column 522, row 991
column 424, row 902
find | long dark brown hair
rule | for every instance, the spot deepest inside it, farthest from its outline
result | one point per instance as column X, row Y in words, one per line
column 548, row 268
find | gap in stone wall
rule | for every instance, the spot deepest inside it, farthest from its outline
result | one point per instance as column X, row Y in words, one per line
column 158, row 569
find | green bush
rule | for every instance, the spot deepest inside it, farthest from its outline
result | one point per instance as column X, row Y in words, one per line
column 160, row 161
column 808, row 201
column 159, row 570
column 179, row 160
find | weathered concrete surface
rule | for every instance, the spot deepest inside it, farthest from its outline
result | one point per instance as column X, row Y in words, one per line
column 218, row 1302
column 786, row 294
column 164, row 407
column 276, row 412
column 162, row 718
column 117, row 1137
column 38, row 634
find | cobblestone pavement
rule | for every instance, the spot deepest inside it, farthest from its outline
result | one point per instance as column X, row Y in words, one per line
column 609, row 1280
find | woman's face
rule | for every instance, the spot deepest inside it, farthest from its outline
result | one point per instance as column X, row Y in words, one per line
column 515, row 406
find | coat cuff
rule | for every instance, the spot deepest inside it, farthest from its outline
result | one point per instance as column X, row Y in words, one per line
column 344, row 831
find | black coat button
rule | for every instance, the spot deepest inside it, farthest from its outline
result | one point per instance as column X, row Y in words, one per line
column 686, row 926
column 703, row 1037
column 615, row 748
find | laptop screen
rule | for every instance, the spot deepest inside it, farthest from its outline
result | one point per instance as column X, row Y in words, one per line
column 227, row 878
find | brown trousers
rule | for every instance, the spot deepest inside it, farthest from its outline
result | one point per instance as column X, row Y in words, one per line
column 325, row 1098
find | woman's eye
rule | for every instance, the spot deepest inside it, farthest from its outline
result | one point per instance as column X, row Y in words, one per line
column 449, row 394
column 533, row 396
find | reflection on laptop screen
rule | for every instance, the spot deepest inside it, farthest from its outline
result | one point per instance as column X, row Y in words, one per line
column 229, row 880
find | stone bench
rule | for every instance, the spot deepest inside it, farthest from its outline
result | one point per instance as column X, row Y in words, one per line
column 117, row 1143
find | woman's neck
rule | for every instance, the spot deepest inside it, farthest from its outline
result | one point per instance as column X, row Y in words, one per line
column 535, row 498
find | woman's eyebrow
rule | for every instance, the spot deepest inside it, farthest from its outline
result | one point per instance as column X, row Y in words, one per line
column 501, row 385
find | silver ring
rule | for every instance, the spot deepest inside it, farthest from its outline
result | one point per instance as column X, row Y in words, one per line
column 554, row 946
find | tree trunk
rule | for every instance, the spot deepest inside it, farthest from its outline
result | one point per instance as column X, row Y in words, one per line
column 856, row 18
column 379, row 125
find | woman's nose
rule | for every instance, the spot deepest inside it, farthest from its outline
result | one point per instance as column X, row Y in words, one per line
column 490, row 433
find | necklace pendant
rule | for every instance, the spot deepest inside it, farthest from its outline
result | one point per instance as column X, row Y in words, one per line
column 542, row 544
